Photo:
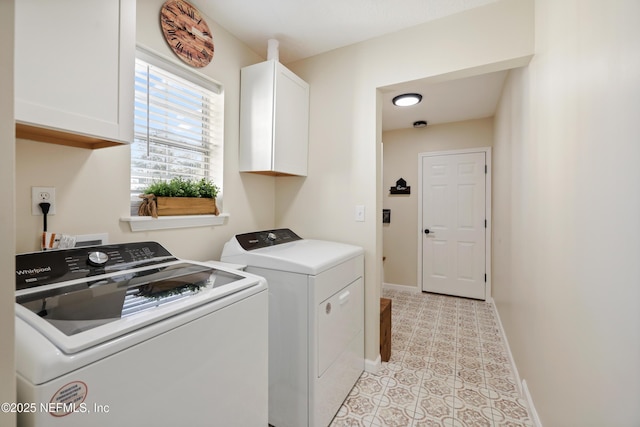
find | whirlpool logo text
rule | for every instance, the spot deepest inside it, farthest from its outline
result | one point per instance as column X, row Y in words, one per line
column 32, row 271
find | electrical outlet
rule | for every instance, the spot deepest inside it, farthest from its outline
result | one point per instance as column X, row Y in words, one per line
column 43, row 194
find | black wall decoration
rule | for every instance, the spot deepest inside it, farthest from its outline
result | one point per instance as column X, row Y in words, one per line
column 400, row 188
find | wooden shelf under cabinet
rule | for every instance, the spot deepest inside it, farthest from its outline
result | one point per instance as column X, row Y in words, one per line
column 53, row 136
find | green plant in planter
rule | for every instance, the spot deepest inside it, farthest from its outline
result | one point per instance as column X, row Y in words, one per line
column 180, row 187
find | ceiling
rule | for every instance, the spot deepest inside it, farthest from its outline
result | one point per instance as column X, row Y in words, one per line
column 307, row 28
column 450, row 101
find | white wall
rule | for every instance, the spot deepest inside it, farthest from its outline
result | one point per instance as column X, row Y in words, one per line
column 401, row 149
column 7, row 216
column 345, row 132
column 567, row 214
column 92, row 186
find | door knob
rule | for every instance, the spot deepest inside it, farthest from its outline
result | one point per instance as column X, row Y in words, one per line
column 427, row 231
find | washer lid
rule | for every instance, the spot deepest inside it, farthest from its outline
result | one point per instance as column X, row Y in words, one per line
column 304, row 256
column 83, row 313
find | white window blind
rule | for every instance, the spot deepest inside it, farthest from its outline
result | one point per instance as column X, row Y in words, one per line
column 178, row 126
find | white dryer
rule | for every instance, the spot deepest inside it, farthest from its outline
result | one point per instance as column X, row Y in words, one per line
column 316, row 321
column 129, row 335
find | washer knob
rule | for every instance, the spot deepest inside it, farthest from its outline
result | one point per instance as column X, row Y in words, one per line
column 97, row 259
column 272, row 236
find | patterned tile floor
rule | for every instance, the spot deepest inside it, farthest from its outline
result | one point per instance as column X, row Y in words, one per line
column 449, row 368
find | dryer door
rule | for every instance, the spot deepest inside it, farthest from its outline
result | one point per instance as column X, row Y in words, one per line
column 339, row 321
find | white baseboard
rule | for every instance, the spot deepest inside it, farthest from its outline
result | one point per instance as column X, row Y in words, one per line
column 522, row 384
column 506, row 344
column 373, row 366
column 532, row 409
column 405, row 288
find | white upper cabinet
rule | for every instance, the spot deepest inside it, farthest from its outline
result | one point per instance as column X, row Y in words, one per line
column 74, row 71
column 274, row 120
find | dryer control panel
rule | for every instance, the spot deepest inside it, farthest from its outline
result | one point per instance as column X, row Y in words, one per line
column 265, row 238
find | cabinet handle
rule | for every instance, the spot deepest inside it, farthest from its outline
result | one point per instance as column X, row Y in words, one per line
column 344, row 297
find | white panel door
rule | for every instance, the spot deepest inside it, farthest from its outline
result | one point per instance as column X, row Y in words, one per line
column 454, row 224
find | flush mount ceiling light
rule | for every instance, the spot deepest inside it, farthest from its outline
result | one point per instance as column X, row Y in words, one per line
column 407, row 99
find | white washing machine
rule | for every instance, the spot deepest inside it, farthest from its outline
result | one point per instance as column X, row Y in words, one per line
column 129, row 335
column 316, row 321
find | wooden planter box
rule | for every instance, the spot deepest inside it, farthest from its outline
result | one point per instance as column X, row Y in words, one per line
column 186, row 206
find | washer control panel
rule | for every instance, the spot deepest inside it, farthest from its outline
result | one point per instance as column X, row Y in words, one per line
column 44, row 268
column 266, row 238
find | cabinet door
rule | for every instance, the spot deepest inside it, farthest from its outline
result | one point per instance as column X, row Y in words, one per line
column 274, row 120
column 256, row 117
column 74, row 64
column 291, row 123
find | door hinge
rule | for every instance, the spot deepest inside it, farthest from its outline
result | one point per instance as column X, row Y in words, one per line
column 485, row 223
column 485, row 168
column 485, row 278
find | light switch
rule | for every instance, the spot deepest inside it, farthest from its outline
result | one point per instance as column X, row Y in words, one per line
column 360, row 213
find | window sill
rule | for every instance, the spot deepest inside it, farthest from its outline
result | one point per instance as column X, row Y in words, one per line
column 147, row 223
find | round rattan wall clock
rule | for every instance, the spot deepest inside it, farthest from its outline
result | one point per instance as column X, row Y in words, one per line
column 186, row 32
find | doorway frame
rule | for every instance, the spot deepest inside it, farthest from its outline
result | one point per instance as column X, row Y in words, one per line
column 487, row 208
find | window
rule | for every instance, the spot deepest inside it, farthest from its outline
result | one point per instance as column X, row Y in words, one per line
column 178, row 128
